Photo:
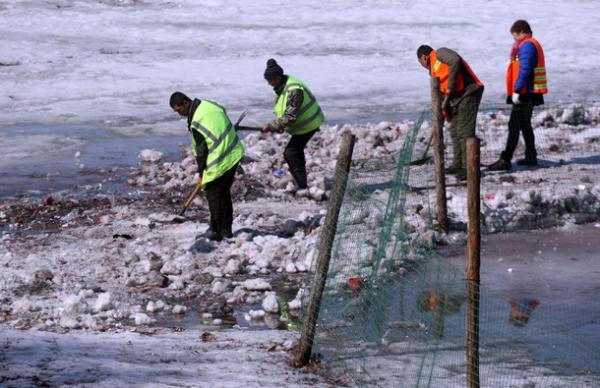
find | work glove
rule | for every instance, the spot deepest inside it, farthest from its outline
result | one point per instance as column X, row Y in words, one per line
column 515, row 99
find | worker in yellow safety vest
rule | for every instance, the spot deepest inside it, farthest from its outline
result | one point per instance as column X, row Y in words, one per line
column 218, row 150
column 297, row 113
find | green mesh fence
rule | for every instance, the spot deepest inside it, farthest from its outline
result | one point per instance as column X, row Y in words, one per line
column 393, row 309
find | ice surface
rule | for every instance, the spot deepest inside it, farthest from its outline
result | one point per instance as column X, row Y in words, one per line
column 102, row 62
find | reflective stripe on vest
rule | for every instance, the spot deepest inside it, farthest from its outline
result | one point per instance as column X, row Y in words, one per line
column 310, row 115
column 224, row 146
column 442, row 71
column 540, row 82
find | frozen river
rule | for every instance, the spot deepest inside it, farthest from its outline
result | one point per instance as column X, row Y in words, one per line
column 111, row 65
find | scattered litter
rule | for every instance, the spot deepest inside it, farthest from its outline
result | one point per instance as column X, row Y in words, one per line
column 272, row 347
column 125, row 236
column 207, row 336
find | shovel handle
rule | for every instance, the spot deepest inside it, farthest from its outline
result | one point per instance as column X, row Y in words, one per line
column 189, row 200
column 245, row 128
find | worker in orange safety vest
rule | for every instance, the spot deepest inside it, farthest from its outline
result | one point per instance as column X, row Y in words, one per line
column 462, row 92
column 526, row 84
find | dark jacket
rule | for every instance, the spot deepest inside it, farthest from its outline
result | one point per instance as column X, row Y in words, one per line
column 455, row 65
column 201, row 147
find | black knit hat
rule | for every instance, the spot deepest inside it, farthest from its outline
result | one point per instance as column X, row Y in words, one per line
column 273, row 69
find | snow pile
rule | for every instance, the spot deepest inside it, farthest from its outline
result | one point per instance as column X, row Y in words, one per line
column 263, row 172
column 118, row 264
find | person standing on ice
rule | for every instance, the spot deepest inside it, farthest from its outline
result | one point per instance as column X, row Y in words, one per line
column 218, row 150
column 462, row 92
column 298, row 113
column 526, row 85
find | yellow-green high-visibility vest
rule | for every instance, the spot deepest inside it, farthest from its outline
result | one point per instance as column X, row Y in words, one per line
column 310, row 116
column 224, row 147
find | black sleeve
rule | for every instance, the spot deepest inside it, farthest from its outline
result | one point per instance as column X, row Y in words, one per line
column 201, row 151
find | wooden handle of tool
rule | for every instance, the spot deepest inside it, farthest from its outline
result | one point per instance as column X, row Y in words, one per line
column 245, row 128
column 188, row 201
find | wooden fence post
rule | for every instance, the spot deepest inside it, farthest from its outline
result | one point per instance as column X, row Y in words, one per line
column 473, row 261
column 437, row 125
column 324, row 249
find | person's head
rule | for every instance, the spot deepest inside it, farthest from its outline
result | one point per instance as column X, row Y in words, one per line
column 423, row 55
column 180, row 103
column 273, row 73
column 520, row 28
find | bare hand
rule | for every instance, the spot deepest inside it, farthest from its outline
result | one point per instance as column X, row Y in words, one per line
column 265, row 128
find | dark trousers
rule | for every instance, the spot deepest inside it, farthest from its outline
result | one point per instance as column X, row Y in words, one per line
column 294, row 157
column 218, row 195
column 520, row 122
column 463, row 126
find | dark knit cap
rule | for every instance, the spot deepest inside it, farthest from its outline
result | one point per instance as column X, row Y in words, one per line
column 273, row 69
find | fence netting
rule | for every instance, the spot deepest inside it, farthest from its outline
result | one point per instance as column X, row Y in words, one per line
column 393, row 309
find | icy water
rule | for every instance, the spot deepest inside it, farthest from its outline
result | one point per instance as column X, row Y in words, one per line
column 553, row 276
column 37, row 159
column 41, row 159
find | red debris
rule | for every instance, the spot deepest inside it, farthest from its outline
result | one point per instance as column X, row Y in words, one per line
column 356, row 285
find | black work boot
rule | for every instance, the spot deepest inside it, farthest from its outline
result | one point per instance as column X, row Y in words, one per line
column 213, row 235
column 500, row 165
column 226, row 232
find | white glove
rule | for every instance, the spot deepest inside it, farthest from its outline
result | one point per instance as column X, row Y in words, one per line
column 515, row 98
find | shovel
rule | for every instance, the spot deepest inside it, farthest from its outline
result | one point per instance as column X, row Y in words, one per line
column 194, row 192
column 424, row 158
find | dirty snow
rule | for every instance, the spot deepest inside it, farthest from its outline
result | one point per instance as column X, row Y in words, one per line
column 118, row 276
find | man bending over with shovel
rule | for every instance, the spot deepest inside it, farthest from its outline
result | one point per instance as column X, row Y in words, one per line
column 298, row 113
column 218, row 150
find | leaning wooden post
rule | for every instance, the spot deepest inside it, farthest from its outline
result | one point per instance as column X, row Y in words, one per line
column 473, row 260
column 437, row 125
column 324, row 249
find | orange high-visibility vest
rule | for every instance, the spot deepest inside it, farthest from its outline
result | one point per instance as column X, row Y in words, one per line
column 540, row 83
column 440, row 70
